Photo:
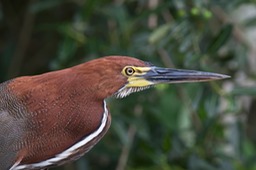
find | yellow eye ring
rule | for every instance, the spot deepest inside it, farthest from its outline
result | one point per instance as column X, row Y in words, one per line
column 129, row 71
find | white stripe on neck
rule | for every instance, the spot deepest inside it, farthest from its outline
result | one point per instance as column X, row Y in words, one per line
column 65, row 154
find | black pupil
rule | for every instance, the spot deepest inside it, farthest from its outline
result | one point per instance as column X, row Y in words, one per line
column 129, row 71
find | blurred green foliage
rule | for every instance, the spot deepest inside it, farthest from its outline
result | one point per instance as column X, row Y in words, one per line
column 171, row 127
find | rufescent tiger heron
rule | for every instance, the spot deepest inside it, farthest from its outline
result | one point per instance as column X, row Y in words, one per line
column 54, row 118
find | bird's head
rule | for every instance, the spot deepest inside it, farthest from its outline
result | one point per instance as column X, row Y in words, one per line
column 121, row 75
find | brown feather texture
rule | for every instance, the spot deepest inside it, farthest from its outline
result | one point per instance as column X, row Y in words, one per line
column 42, row 116
column 50, row 119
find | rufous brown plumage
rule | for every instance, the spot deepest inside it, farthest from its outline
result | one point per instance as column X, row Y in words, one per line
column 56, row 117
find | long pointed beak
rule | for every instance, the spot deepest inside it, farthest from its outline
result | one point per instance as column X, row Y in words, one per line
column 158, row 75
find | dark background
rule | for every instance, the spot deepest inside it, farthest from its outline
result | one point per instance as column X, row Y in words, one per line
column 171, row 127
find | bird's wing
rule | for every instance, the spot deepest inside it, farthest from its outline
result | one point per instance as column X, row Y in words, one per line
column 10, row 134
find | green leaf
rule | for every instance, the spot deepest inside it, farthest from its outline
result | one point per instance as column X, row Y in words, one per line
column 251, row 22
column 250, row 91
column 220, row 39
column 159, row 33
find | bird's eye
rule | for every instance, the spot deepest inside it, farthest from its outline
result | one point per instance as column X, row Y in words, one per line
column 129, row 71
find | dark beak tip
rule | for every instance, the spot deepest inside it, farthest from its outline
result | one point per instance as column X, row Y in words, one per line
column 223, row 76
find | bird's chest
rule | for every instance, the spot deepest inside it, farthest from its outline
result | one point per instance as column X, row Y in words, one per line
column 63, row 142
column 84, row 145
